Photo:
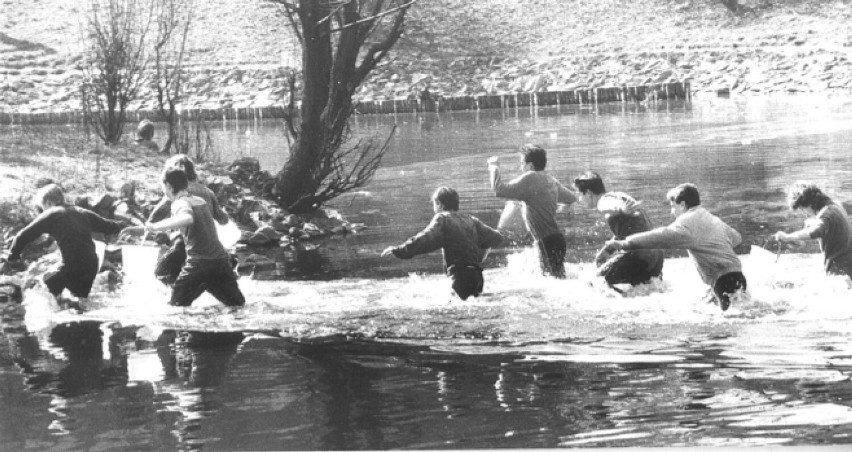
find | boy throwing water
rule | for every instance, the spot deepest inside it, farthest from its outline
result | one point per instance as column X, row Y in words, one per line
column 72, row 228
column 463, row 238
column 625, row 218
column 829, row 224
column 709, row 241
column 540, row 193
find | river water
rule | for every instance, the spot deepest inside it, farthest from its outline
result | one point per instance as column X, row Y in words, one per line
column 354, row 351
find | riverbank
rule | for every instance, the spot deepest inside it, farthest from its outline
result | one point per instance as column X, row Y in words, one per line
column 459, row 48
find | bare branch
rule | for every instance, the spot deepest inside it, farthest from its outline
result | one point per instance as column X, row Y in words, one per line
column 333, row 12
column 374, row 17
column 380, row 49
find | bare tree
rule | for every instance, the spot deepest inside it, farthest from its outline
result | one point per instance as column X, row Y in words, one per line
column 115, row 33
column 174, row 18
column 342, row 41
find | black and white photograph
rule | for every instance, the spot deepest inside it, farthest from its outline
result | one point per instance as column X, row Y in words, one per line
column 251, row 225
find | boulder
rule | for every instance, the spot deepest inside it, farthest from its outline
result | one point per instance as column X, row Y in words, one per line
column 265, row 235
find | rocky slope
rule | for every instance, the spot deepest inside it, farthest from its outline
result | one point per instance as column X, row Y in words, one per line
column 467, row 47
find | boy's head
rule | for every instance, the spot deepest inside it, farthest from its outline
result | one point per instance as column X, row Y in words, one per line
column 682, row 198
column 50, row 195
column 534, row 155
column 174, row 181
column 145, row 130
column 445, row 198
column 184, row 162
column 805, row 195
column 591, row 187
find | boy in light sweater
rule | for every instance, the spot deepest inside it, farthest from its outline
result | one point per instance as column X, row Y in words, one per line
column 540, row 194
column 708, row 240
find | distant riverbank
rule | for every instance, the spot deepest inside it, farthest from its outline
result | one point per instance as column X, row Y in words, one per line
column 461, row 49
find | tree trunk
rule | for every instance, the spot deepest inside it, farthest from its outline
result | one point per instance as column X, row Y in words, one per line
column 296, row 177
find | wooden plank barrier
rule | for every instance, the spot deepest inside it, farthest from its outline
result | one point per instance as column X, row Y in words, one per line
column 640, row 93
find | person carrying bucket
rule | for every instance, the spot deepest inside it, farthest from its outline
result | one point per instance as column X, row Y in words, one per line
column 708, row 240
column 624, row 217
column 540, row 193
column 463, row 238
column 72, row 228
column 829, row 224
column 171, row 262
column 207, row 266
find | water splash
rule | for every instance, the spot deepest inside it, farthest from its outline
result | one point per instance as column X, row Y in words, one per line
column 518, row 306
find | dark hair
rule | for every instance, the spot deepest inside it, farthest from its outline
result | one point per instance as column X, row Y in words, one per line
column 687, row 193
column 184, row 162
column 145, row 130
column 50, row 193
column 176, row 178
column 806, row 194
column 536, row 155
column 448, row 198
column 590, row 181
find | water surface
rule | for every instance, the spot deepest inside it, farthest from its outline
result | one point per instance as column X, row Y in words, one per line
column 352, row 351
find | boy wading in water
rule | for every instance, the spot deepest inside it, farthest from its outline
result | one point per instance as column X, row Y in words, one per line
column 463, row 238
column 625, row 218
column 540, row 193
column 171, row 262
column 829, row 224
column 207, row 265
column 72, row 228
column 708, row 240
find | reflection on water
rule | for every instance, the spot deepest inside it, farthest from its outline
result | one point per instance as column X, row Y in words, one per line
column 94, row 385
column 355, row 352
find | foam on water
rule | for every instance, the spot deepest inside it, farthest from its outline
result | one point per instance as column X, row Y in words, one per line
column 518, row 304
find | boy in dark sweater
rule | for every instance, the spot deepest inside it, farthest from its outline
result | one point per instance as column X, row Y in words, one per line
column 624, row 217
column 72, row 228
column 463, row 238
column 829, row 224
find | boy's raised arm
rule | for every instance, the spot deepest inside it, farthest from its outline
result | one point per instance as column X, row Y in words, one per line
column 513, row 189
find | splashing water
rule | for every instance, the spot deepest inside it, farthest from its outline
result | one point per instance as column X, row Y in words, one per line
column 518, row 304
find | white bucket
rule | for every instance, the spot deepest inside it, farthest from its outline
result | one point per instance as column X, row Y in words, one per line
column 139, row 262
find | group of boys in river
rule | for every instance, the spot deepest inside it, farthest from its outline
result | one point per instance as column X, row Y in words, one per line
column 197, row 261
column 634, row 254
